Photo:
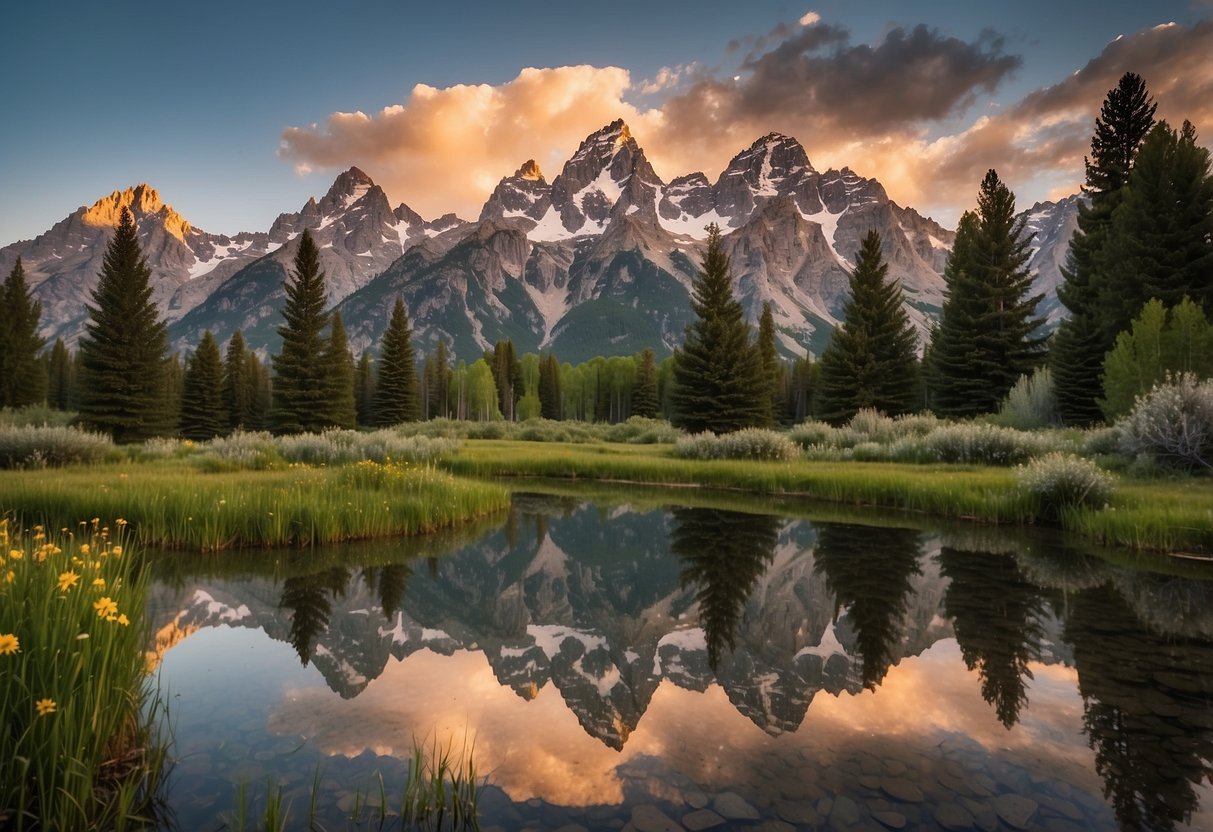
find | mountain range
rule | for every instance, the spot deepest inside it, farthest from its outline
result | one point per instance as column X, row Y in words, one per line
column 598, row 261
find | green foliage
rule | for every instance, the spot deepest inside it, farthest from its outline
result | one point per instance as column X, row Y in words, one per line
column 364, row 389
column 440, row 383
column 1032, row 403
column 61, row 372
column 1060, row 482
column 1082, row 339
column 1161, row 342
column 123, row 353
column 644, row 400
column 1172, row 425
column 1161, row 239
column 22, row 374
column 871, row 361
column 988, row 336
column 772, row 370
column 300, row 389
column 339, row 377
column 550, row 397
column 718, row 373
column 203, row 415
column 507, row 377
column 396, row 387
column 238, row 390
column 75, row 689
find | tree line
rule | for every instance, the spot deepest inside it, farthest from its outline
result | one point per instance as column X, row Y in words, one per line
column 1145, row 234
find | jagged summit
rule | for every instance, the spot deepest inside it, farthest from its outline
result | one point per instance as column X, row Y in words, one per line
column 143, row 200
column 529, row 170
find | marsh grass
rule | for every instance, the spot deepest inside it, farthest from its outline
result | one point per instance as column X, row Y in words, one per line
column 1168, row 515
column 78, row 750
column 171, row 504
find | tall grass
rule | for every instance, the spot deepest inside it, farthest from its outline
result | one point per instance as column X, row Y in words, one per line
column 77, row 750
column 170, row 503
column 635, row 431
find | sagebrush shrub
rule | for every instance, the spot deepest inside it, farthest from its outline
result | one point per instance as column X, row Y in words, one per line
column 1172, row 425
column 748, row 443
column 26, row 446
column 984, row 444
column 1063, row 481
column 1031, row 403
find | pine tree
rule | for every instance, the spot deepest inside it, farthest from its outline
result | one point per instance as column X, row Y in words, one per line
column 644, row 399
column 549, row 387
column 871, row 359
column 1078, row 347
column 718, row 372
column 442, row 381
column 396, row 393
column 772, row 370
column 299, row 387
column 507, row 375
column 989, row 334
column 22, row 373
column 364, row 389
column 237, row 387
column 1161, row 240
column 203, row 414
column 124, row 352
column 339, row 377
column 61, row 371
column 261, row 399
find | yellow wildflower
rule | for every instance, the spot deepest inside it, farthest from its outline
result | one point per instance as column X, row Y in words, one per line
column 116, row 551
column 10, row 577
column 119, row 522
column 15, row 554
column 105, row 606
column 9, row 644
column 45, row 706
column 98, row 583
column 84, row 548
column 123, row 620
column 67, row 580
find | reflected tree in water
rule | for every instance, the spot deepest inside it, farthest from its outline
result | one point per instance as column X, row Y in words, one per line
column 389, row 583
column 309, row 599
column 724, row 553
column 1147, row 710
column 996, row 614
column 869, row 570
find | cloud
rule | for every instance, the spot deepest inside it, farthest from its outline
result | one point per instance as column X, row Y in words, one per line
column 809, row 18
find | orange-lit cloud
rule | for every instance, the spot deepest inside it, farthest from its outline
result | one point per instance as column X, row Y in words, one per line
column 887, row 110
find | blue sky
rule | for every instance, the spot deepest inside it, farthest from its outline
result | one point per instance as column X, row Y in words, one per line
column 195, row 98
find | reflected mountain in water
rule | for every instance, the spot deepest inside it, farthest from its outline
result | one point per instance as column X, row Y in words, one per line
column 606, row 604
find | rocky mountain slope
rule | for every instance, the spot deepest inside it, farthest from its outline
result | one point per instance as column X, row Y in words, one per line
column 598, row 261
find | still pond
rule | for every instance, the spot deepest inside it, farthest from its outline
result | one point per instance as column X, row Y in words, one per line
column 615, row 662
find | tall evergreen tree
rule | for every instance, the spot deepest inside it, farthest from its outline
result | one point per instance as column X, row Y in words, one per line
column 507, row 375
column 1161, row 241
column 261, row 399
column 203, row 415
column 300, row 389
column 61, row 371
column 871, row 359
column 442, row 381
column 644, row 399
column 1078, row 347
column 549, row 387
column 396, row 390
column 772, row 370
column 237, row 387
column 124, row 351
column 989, row 334
column 339, row 377
column 22, row 372
column 718, row 373
column 364, row 389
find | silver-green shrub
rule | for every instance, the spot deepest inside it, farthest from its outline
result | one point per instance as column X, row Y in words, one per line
column 26, row 446
column 1172, row 425
column 1062, row 481
column 975, row 443
column 749, row 443
column 1031, row 403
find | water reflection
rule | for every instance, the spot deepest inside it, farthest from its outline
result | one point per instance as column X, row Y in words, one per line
column 1147, row 709
column 998, row 617
column 724, row 553
column 577, row 637
column 869, row 570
